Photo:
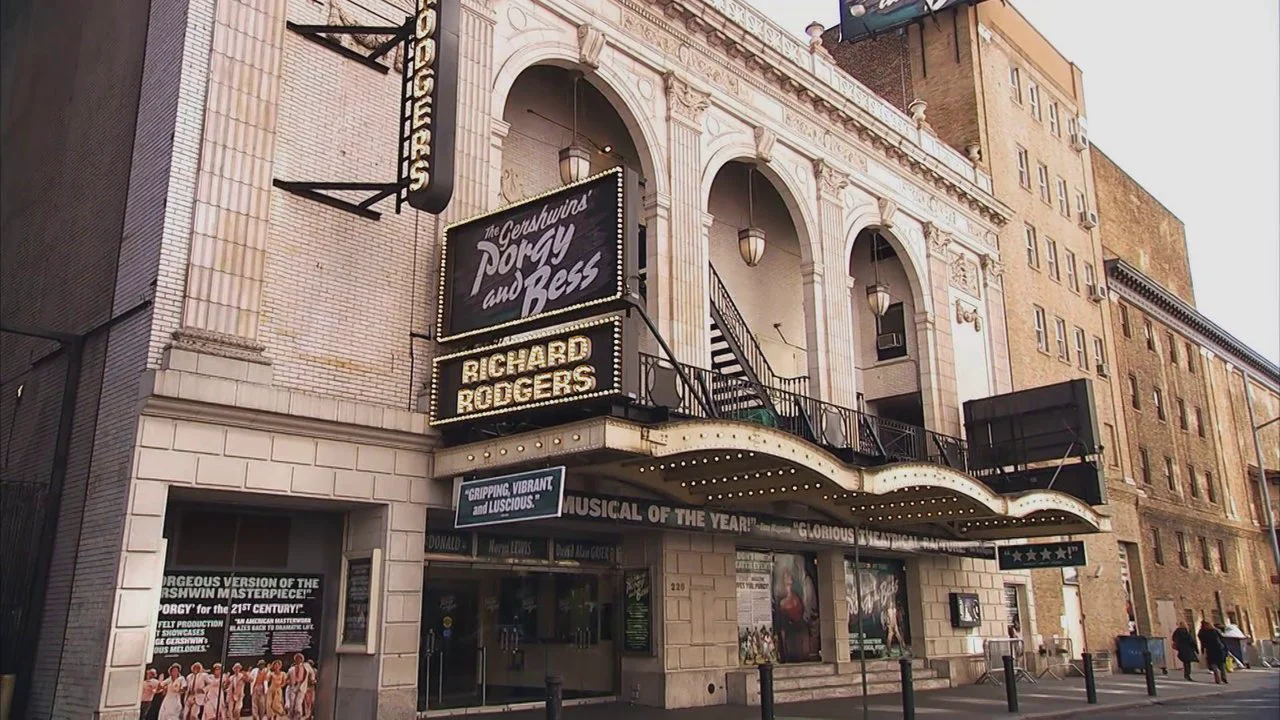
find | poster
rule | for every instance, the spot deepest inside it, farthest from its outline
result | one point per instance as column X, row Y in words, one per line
column 230, row 639
column 637, row 632
column 886, row 627
column 795, row 607
column 757, row 644
column 357, row 601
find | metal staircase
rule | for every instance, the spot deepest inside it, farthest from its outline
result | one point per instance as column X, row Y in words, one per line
column 742, row 377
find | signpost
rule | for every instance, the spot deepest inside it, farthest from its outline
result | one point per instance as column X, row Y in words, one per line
column 532, row 495
column 1041, row 555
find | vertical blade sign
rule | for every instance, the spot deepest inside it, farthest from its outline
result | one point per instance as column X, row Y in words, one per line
column 433, row 96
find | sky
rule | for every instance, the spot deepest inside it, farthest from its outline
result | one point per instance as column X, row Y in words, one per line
column 1187, row 101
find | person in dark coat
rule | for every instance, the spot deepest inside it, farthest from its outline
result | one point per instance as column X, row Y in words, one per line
column 1215, row 651
column 1184, row 644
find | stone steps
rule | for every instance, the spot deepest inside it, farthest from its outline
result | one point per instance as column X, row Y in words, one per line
column 853, row 688
column 818, row 681
column 873, row 678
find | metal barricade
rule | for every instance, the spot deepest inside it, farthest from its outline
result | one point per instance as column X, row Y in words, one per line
column 994, row 652
column 1268, row 654
column 1059, row 652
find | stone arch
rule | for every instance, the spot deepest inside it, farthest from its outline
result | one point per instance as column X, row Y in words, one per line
column 917, row 278
column 743, row 149
column 615, row 88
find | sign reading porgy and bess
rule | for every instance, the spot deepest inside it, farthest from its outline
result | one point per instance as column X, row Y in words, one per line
column 1041, row 555
column 431, row 97
column 553, row 256
column 510, row 498
column 572, row 364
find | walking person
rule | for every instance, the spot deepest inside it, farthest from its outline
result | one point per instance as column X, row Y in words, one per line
column 1184, row 644
column 1215, row 651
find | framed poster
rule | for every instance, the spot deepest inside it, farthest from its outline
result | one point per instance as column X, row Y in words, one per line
column 361, row 585
column 966, row 610
column 637, row 611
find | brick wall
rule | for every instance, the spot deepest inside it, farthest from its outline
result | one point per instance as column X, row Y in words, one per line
column 1136, row 227
column 882, row 63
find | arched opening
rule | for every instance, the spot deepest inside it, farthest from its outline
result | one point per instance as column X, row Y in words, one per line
column 758, row 322
column 888, row 347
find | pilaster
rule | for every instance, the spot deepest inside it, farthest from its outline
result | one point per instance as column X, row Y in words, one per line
column 685, row 275
column 835, row 344
column 941, row 392
column 998, row 332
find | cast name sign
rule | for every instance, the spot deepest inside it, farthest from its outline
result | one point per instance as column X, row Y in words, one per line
column 558, row 253
column 510, row 498
column 1041, row 555
column 573, row 364
column 431, row 93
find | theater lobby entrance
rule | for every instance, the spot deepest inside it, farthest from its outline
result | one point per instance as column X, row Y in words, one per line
column 497, row 623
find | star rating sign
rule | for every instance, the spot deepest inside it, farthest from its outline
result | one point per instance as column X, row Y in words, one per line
column 1062, row 553
column 1045, row 555
column 1017, row 555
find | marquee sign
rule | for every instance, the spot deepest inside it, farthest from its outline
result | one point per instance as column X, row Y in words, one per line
column 551, row 256
column 571, row 364
column 861, row 18
column 431, row 100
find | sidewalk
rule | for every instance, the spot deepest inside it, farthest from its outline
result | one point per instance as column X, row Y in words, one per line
column 1046, row 699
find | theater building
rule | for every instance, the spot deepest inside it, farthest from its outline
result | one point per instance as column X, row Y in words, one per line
column 710, row 369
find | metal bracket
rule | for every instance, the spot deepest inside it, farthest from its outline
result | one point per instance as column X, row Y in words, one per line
column 319, row 34
column 315, row 191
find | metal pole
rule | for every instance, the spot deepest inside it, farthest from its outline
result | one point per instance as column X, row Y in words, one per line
column 1010, row 684
column 555, row 697
column 1090, row 682
column 908, row 689
column 862, row 633
column 766, row 691
column 1150, row 672
column 1262, row 473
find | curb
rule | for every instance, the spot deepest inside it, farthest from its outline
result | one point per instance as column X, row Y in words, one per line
column 1130, row 705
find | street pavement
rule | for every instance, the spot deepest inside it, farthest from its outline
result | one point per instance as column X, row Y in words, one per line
column 1252, row 695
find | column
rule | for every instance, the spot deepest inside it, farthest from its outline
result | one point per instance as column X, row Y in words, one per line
column 657, row 213
column 836, row 348
column 682, row 283
column 998, row 334
column 233, row 185
column 473, row 188
column 833, row 607
column 933, row 326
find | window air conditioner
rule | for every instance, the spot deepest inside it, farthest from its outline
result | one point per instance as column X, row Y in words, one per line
column 1103, row 370
column 889, row 341
column 1079, row 141
column 1097, row 293
column 1088, row 219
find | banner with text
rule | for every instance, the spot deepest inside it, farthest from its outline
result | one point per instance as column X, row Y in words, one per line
column 510, row 498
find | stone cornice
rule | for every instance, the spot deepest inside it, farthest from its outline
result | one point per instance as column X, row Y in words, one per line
column 788, row 65
column 1131, row 284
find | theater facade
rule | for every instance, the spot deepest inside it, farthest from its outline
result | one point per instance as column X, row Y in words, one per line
column 702, row 366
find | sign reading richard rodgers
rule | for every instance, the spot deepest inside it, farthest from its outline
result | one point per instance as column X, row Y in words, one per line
column 542, row 258
column 570, row 364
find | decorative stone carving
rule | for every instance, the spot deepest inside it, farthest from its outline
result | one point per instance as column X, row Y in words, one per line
column 938, row 240
column 590, row 45
column 830, row 181
column 684, row 101
column 974, row 152
column 965, row 274
column 992, row 269
column 338, row 15
column 917, row 109
column 967, row 314
column 765, row 139
column 814, row 31
column 512, row 186
column 888, row 209
column 209, row 342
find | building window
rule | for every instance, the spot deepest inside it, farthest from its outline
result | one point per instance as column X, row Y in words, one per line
column 1064, row 203
column 1157, row 397
column 1033, row 247
column 891, row 334
column 1082, row 350
column 1125, row 327
column 1182, row 549
column 1055, row 126
column 1173, row 349
column 1073, row 281
column 1024, row 169
column 1210, row 491
column 1100, row 356
column 1033, row 94
column 1192, row 482
column 1060, row 337
column 1051, row 258
column 1135, row 398
column 1169, row 480
column 1191, row 359
column 1080, row 204
column 1015, row 84
column 1042, row 331
column 1182, row 414
column 1157, row 546
column 1090, row 279
column 1071, row 125
column 1042, row 176
column 1206, row 560
column 1144, row 465
column 1149, row 334
column 1199, row 422
column 1223, row 565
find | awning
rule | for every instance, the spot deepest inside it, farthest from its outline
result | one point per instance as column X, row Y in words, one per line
column 736, row 465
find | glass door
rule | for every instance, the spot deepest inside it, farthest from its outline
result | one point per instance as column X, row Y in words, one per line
column 449, row 670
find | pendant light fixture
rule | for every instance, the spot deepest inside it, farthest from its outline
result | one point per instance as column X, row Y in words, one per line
column 878, row 297
column 575, row 160
column 751, row 238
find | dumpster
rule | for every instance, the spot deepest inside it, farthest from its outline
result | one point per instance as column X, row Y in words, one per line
column 1129, row 649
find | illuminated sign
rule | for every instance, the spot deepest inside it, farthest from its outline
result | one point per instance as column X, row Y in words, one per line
column 571, row 364
column 862, row 18
column 431, row 94
column 551, row 256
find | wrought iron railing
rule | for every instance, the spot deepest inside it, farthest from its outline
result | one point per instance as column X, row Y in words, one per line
column 713, row 395
column 734, row 326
